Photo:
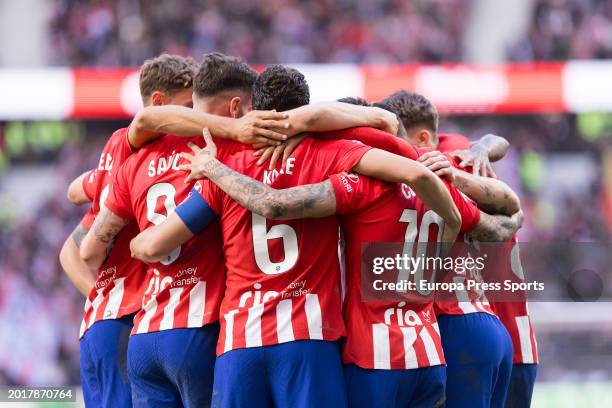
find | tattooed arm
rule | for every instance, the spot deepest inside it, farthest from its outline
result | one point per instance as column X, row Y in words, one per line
column 99, row 239
column 74, row 267
column 491, row 195
column 497, row 228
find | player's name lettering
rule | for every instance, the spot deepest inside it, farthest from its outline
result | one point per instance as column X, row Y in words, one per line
column 163, row 164
column 106, row 162
column 270, row 175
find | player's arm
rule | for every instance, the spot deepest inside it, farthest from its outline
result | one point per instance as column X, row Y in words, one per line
column 72, row 264
column 152, row 122
column 494, row 146
column 76, row 193
column 492, row 195
column 98, row 241
column 375, row 163
column 426, row 185
column 152, row 244
column 329, row 116
column 497, row 228
column 489, row 148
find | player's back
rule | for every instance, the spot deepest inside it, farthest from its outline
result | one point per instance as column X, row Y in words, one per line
column 512, row 309
column 119, row 283
column 283, row 280
column 185, row 288
column 388, row 330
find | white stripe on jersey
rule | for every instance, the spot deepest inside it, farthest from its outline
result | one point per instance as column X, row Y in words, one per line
column 410, row 337
column 524, row 331
column 313, row 317
column 83, row 323
column 229, row 330
column 284, row 327
column 382, row 348
column 94, row 307
column 149, row 310
column 197, row 304
column 436, row 327
column 467, row 307
column 115, row 297
column 252, row 331
column 167, row 321
column 430, row 347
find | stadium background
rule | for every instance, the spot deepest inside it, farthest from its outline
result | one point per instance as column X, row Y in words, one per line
column 533, row 71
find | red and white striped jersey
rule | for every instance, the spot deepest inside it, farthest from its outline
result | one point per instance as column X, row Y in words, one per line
column 467, row 301
column 185, row 289
column 515, row 315
column 120, row 280
column 389, row 334
column 283, row 280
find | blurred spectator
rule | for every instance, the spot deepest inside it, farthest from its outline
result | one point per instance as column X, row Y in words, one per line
column 125, row 32
column 567, row 29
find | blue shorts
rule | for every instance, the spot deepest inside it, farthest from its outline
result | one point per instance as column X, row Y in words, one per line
column 103, row 352
column 418, row 388
column 306, row 373
column 478, row 353
column 521, row 385
column 173, row 368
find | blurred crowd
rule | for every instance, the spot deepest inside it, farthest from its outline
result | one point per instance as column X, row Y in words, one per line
column 125, row 32
column 36, row 296
column 567, row 29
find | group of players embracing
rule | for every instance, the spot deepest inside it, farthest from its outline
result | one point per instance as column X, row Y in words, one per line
column 211, row 256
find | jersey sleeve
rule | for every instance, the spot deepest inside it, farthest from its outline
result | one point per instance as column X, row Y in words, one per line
column 354, row 192
column 374, row 138
column 453, row 141
column 339, row 156
column 119, row 200
column 470, row 214
column 89, row 184
column 88, row 218
column 196, row 212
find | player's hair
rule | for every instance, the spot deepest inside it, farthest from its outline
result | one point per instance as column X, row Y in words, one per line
column 281, row 88
column 412, row 109
column 355, row 100
column 166, row 73
column 401, row 130
column 219, row 72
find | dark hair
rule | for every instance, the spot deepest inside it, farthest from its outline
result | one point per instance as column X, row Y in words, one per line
column 219, row 72
column 412, row 109
column 355, row 100
column 281, row 88
column 166, row 73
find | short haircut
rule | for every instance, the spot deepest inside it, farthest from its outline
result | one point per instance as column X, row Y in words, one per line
column 281, row 88
column 219, row 72
column 355, row 100
column 166, row 73
column 412, row 109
